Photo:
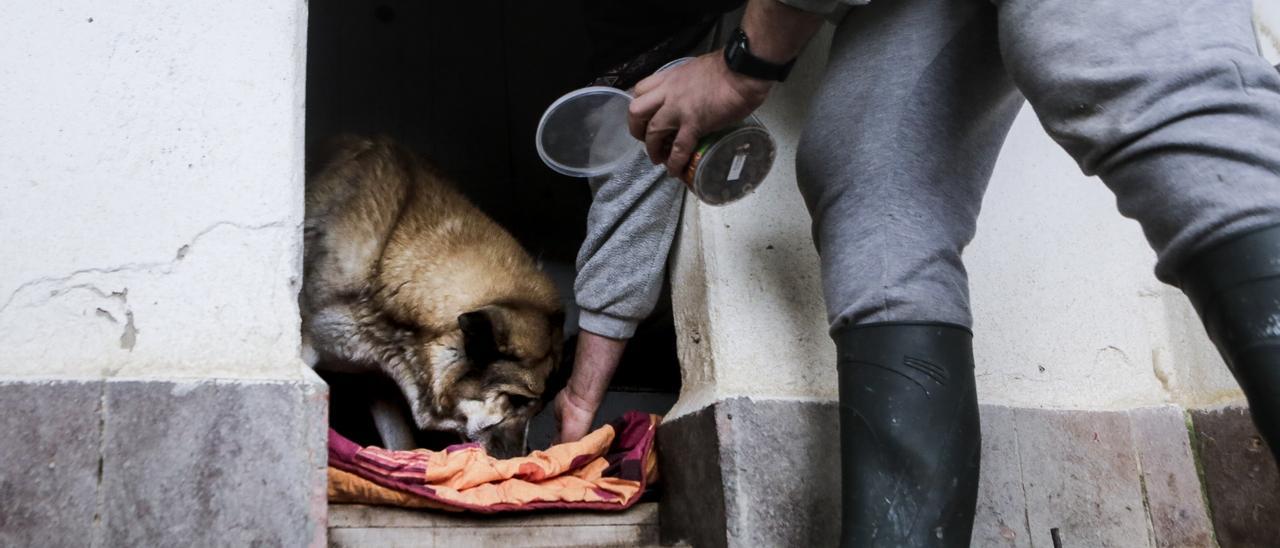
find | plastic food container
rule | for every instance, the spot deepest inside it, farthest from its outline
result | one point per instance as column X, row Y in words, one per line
column 585, row 134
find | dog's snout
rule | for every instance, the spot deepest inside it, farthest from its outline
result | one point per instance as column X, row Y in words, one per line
column 504, row 448
column 506, row 441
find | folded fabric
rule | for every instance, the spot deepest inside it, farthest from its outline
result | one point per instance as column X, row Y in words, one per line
column 608, row 469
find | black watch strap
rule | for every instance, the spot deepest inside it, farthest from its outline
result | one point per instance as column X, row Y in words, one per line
column 737, row 55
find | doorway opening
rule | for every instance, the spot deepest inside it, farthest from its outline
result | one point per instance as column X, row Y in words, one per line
column 464, row 84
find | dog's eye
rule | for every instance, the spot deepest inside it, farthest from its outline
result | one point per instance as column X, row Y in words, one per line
column 517, row 401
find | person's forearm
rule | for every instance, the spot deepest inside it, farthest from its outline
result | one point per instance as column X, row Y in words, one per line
column 594, row 364
column 777, row 32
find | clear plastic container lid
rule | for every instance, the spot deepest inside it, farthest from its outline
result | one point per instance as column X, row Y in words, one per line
column 584, row 133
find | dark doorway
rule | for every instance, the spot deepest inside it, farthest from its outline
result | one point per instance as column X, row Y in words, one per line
column 465, row 83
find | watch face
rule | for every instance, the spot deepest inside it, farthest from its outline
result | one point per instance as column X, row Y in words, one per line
column 737, row 45
column 737, row 55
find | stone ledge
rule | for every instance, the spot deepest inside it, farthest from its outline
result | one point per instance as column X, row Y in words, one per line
column 693, row 493
column 126, row 462
column 763, row 472
column 1099, row 478
column 1240, row 477
column 360, row 525
column 49, row 462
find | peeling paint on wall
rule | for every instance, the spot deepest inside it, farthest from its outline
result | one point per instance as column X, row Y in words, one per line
column 1271, row 42
column 163, row 268
column 1266, row 20
column 144, row 160
column 231, row 282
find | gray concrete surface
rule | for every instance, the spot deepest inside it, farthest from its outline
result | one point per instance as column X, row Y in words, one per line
column 163, row 463
column 360, row 525
column 49, row 459
column 1002, row 518
column 693, row 495
column 1175, row 498
column 1240, row 477
column 1079, row 476
column 1100, row 478
column 781, row 464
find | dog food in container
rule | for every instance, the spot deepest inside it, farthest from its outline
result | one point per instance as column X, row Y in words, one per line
column 730, row 163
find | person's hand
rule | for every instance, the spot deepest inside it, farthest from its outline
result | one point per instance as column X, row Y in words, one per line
column 573, row 415
column 595, row 360
column 674, row 108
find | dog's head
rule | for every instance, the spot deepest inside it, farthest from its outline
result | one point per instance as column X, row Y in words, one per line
column 491, row 376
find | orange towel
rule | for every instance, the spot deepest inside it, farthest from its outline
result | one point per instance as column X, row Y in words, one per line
column 606, row 470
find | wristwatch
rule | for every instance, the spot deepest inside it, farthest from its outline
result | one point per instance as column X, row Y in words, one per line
column 738, row 56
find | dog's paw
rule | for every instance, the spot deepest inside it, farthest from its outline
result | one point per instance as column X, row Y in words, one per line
column 309, row 354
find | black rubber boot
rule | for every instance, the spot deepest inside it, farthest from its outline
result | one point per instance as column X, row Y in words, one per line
column 910, row 441
column 1236, row 289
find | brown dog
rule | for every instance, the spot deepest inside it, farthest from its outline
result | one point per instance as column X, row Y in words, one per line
column 403, row 275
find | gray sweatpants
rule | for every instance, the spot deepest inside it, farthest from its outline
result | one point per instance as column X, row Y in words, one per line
column 1167, row 101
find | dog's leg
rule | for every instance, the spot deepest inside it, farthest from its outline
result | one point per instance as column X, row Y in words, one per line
column 392, row 425
column 346, row 332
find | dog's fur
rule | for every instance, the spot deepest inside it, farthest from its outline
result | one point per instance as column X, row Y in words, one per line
column 403, row 275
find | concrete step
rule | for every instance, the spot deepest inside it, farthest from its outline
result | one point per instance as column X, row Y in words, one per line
column 352, row 525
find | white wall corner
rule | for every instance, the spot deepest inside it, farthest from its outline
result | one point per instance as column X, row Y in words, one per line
column 153, row 188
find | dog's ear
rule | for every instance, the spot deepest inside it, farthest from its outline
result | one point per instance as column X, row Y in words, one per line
column 484, row 334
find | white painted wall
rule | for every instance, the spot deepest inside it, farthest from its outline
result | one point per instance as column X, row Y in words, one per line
column 745, row 281
column 1066, row 309
column 151, row 190
column 1266, row 16
column 152, row 183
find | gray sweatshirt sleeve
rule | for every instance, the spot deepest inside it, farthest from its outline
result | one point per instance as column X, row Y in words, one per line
column 622, row 262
